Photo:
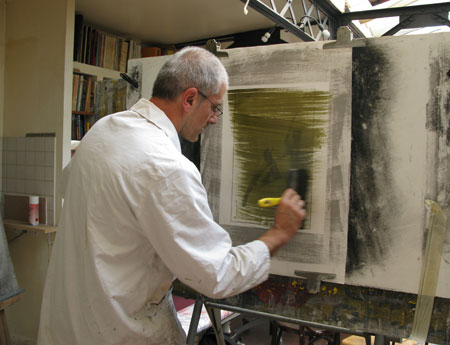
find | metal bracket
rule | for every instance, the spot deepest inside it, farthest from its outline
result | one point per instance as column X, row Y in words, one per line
column 345, row 39
column 130, row 80
column 214, row 47
column 314, row 279
column 419, row 21
column 23, row 232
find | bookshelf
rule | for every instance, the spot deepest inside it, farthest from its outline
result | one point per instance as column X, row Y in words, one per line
column 83, row 103
column 100, row 72
column 98, row 57
column 96, row 47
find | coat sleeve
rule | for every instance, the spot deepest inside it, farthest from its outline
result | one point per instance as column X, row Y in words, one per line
column 177, row 220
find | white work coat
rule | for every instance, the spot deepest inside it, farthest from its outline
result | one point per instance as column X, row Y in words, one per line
column 136, row 216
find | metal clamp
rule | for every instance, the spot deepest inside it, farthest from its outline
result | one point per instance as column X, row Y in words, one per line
column 130, row 80
column 213, row 46
column 314, row 279
column 345, row 39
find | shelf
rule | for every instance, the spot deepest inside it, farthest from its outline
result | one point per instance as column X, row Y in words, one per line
column 19, row 225
column 85, row 113
column 100, row 72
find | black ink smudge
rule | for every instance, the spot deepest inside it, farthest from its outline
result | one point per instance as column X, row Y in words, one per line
column 370, row 181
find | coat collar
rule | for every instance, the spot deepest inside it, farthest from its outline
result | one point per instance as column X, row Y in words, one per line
column 157, row 117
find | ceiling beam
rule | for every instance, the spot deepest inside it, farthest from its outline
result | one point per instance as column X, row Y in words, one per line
column 419, row 21
column 278, row 19
column 332, row 12
column 346, row 18
column 298, row 28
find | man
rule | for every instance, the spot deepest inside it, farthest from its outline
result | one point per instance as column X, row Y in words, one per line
column 136, row 216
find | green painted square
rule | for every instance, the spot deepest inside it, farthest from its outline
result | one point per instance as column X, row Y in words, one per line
column 274, row 130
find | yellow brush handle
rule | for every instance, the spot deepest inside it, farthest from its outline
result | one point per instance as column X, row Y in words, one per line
column 268, row 202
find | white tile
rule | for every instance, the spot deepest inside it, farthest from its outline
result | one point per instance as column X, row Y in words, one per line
column 48, row 188
column 30, row 172
column 35, row 143
column 30, row 158
column 50, row 144
column 15, row 184
column 50, row 217
column 11, row 157
column 40, row 173
column 30, row 187
column 29, row 144
column 10, row 143
column 49, row 173
column 12, row 171
column 4, row 170
column 40, row 187
column 4, row 183
column 12, row 146
column 21, row 144
column 50, row 203
column 21, row 171
column 21, row 157
column 40, row 158
column 40, row 144
column 11, row 185
column 5, row 143
column 49, row 159
column 20, row 186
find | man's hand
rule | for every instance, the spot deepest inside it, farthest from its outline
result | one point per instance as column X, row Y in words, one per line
column 288, row 219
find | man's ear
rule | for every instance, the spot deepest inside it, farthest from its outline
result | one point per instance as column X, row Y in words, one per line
column 188, row 98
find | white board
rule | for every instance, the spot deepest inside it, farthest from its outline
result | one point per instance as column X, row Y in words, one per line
column 400, row 157
column 292, row 73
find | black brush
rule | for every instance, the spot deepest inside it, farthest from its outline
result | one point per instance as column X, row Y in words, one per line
column 298, row 180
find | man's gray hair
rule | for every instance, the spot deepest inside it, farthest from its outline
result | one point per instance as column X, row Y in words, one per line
column 190, row 67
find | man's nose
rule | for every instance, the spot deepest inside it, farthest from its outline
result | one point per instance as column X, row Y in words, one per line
column 212, row 120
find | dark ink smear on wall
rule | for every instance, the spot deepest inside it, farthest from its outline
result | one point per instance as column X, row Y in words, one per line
column 438, row 108
column 274, row 130
column 438, row 121
column 372, row 202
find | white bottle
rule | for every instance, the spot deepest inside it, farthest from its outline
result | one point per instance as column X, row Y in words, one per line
column 33, row 217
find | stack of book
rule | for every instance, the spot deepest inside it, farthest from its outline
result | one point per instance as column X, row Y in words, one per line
column 83, row 103
column 95, row 47
column 157, row 51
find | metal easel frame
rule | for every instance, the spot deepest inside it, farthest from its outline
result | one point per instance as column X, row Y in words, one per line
column 410, row 17
column 320, row 12
column 214, row 308
column 324, row 13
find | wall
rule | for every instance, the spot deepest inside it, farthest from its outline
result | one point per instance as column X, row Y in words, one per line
column 28, row 168
column 2, row 58
column 37, row 99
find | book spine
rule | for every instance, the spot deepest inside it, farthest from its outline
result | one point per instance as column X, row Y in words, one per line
column 78, row 37
column 76, row 80
column 93, row 47
column 124, row 56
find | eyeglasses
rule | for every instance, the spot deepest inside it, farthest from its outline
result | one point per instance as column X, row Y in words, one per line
column 216, row 108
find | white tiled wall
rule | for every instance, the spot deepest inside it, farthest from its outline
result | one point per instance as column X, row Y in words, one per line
column 28, row 168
